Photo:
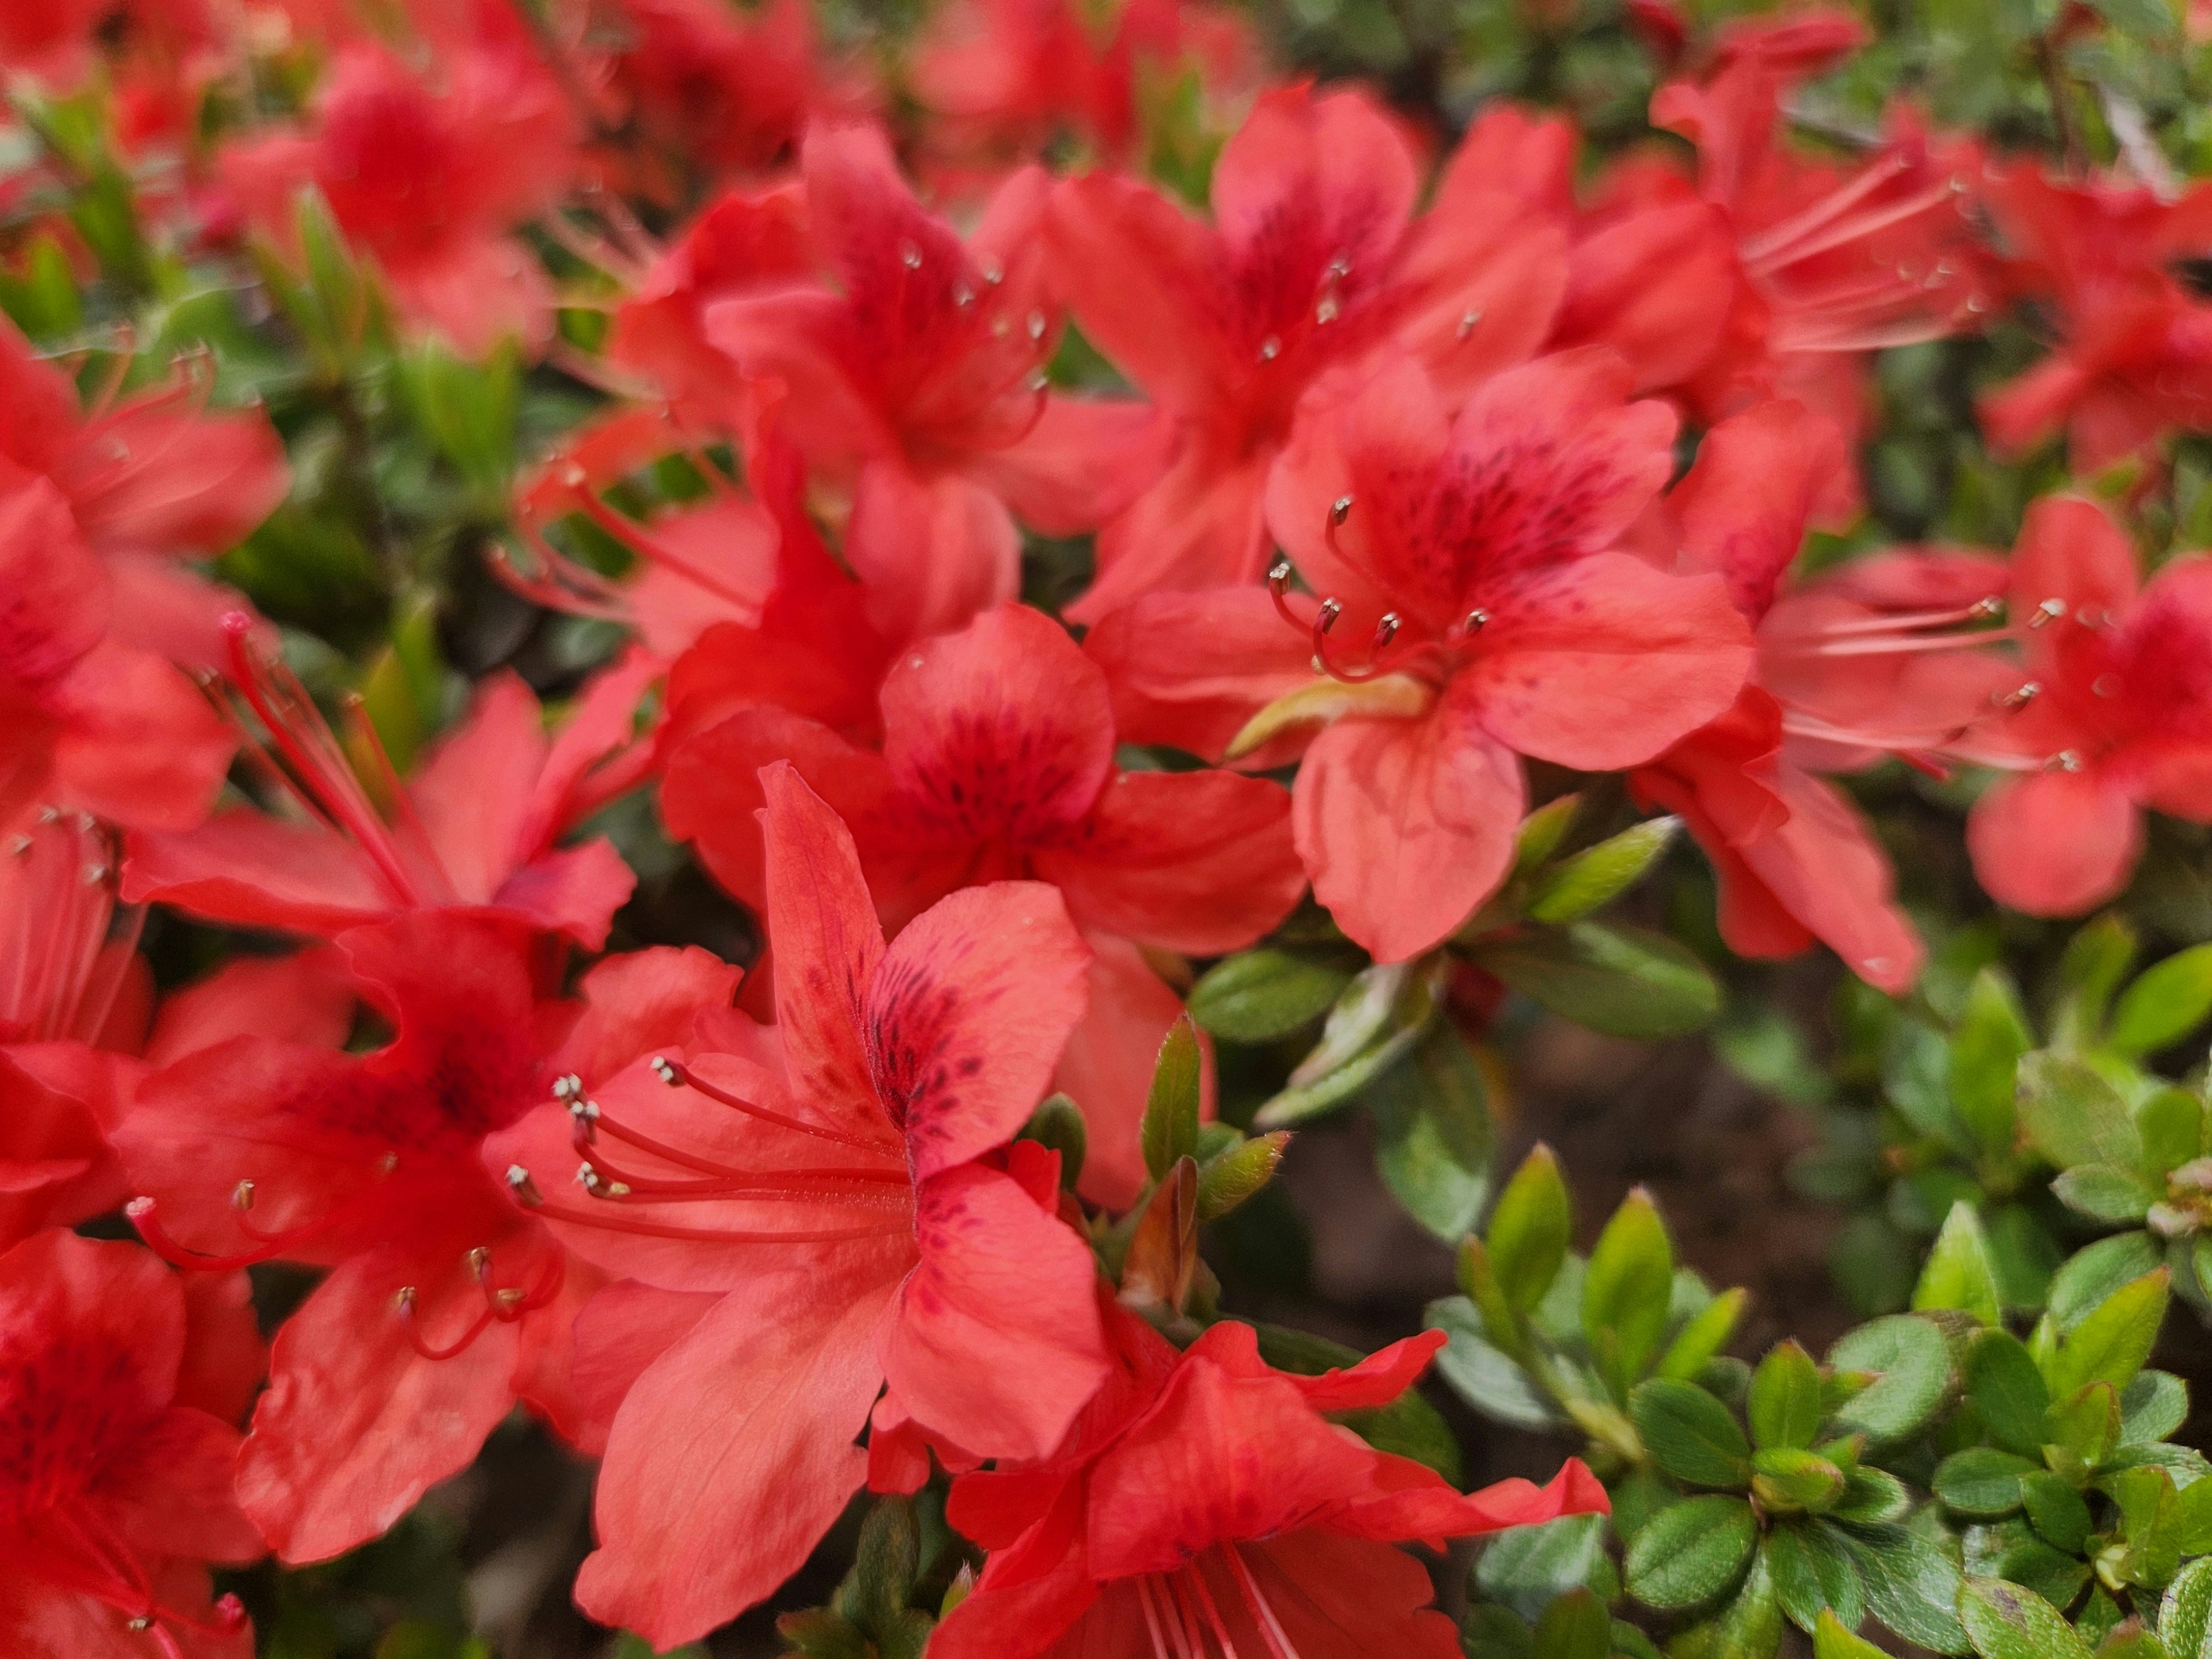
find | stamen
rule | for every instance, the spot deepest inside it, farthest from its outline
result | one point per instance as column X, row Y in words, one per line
column 1189, row 1583
column 2020, row 698
column 404, row 1305
column 322, row 777
column 1153, row 1620
column 144, row 1215
column 677, row 1075
column 612, row 1220
column 1271, row 1627
column 2049, row 611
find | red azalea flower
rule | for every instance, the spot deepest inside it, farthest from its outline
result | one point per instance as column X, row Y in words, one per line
column 1312, row 260
column 923, row 382
column 1206, row 1506
column 119, row 1388
column 1884, row 659
column 2119, row 714
column 1481, row 554
column 445, row 1303
column 429, row 178
column 475, row 826
column 1775, row 274
column 846, row 1213
column 75, row 1010
column 152, row 475
column 997, row 763
column 659, row 331
column 2133, row 359
column 89, row 720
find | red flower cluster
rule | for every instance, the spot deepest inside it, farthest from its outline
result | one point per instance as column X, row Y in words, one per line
column 1399, row 498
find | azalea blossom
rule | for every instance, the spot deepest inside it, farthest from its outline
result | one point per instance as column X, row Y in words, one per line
column 475, row 826
column 1479, row 555
column 1312, row 260
column 922, row 383
column 90, row 720
column 2132, row 360
column 998, row 762
column 120, row 1388
column 429, row 176
column 1889, row 656
column 2118, row 715
column 850, row 1210
column 446, row 1302
column 1204, row 1504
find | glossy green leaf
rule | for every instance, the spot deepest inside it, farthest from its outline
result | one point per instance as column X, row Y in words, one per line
column 2184, row 1613
column 1702, row 1335
column 1981, row 1481
column 1575, row 1626
column 2114, row 1338
column 1958, row 1274
column 1433, row 1143
column 1911, row 1585
column 1528, row 1568
column 1912, row 1367
column 1259, row 996
column 1627, row 1286
column 1571, row 888
column 1689, row 1434
column 2073, row 1115
column 1528, row 1229
column 1785, row 1404
column 1691, row 1552
column 2104, row 1192
column 1486, row 1378
column 2006, row 1390
column 2005, row 1621
column 1986, row 1045
column 2167, row 1001
column 1622, row 981
column 1169, row 1131
column 1812, row 1573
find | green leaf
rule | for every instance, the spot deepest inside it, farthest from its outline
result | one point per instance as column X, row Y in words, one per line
column 1916, row 1067
column 2152, row 1407
column 1689, row 1434
column 2167, row 1001
column 1260, row 995
column 2006, row 1621
column 1812, row 1572
column 2096, row 1270
column 1981, row 1481
column 1529, row 1227
column 1784, row 1402
column 1783, row 1478
column 1433, row 1143
column 2184, row 1613
column 1622, row 981
column 2072, row 1116
column 1169, row 1133
column 2082, row 1428
column 1594, row 877
column 1958, row 1274
column 2056, row 1510
column 1382, row 1013
column 1912, row 1365
column 1238, row 1173
column 1412, row 1428
column 1832, row 1640
column 1628, row 1286
column 1528, row 1568
column 2170, row 1123
column 1702, row 1335
column 2113, row 1341
column 1986, row 1046
column 2104, row 1192
column 1691, row 1551
column 2096, row 958
column 1872, row 1495
column 1575, row 1626
column 2145, row 19
column 1542, row 831
column 2006, row 1390
column 1911, row 1585
column 1750, row 1627
column 1482, row 1376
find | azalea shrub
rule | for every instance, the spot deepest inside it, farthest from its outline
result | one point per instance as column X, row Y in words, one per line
column 943, row 828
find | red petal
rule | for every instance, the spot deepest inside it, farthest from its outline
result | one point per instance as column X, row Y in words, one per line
column 994, row 1343
column 1744, row 506
column 1604, row 663
column 1200, row 862
column 733, row 1453
column 967, row 1016
column 1406, row 825
column 2054, row 843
